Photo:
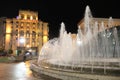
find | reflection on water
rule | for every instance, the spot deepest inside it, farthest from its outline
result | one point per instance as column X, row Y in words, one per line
column 19, row 71
column 22, row 71
column 28, row 71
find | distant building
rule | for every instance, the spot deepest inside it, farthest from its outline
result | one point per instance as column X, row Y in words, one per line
column 23, row 32
column 108, row 22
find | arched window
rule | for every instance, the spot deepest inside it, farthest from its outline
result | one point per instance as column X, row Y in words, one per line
column 27, row 41
column 33, row 33
column 27, row 34
column 21, row 33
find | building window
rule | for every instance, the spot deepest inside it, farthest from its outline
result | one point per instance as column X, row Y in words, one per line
column 27, row 34
column 34, row 17
column 28, row 24
column 45, row 39
column 31, row 17
column 33, row 24
column 16, row 31
column 21, row 33
column 33, row 43
column 16, row 26
column 22, row 24
column 22, row 16
column 33, row 33
column 27, row 40
column 17, row 22
column 21, row 27
column 40, row 34
column 28, row 17
column 27, row 28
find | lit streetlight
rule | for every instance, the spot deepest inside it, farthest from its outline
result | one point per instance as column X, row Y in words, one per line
column 22, row 40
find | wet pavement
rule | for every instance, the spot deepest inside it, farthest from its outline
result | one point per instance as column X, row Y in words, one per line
column 16, row 71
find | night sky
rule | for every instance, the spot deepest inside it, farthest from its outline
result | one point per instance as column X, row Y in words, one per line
column 56, row 11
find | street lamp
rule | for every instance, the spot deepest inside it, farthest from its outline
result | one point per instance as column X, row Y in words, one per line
column 22, row 40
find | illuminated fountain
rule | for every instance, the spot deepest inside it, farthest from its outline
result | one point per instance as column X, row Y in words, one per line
column 95, row 50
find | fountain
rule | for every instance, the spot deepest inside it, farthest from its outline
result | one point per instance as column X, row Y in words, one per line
column 93, row 54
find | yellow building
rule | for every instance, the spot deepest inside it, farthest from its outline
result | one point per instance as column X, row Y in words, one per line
column 23, row 32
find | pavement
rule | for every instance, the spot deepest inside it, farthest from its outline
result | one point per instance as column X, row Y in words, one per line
column 16, row 71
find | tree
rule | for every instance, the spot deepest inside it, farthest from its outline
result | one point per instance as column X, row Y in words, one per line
column 10, row 51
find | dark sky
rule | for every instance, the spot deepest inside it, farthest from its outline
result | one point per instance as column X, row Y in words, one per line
column 56, row 11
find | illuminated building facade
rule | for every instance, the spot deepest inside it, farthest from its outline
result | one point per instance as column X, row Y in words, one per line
column 23, row 32
column 108, row 22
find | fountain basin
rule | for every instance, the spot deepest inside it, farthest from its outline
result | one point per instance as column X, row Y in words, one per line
column 74, row 74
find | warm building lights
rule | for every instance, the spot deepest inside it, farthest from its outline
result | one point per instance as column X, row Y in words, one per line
column 27, row 46
column 45, row 39
column 31, row 17
column 8, row 29
column 7, row 37
column 25, row 17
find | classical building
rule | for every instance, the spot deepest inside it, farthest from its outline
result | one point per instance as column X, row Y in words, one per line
column 2, row 31
column 23, row 32
column 108, row 22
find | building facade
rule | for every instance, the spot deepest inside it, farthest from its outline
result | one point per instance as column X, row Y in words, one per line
column 25, row 32
column 108, row 22
column 2, row 32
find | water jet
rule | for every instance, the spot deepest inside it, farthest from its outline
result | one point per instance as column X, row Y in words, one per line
column 93, row 54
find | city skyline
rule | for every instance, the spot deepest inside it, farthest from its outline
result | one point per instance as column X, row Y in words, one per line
column 55, row 12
